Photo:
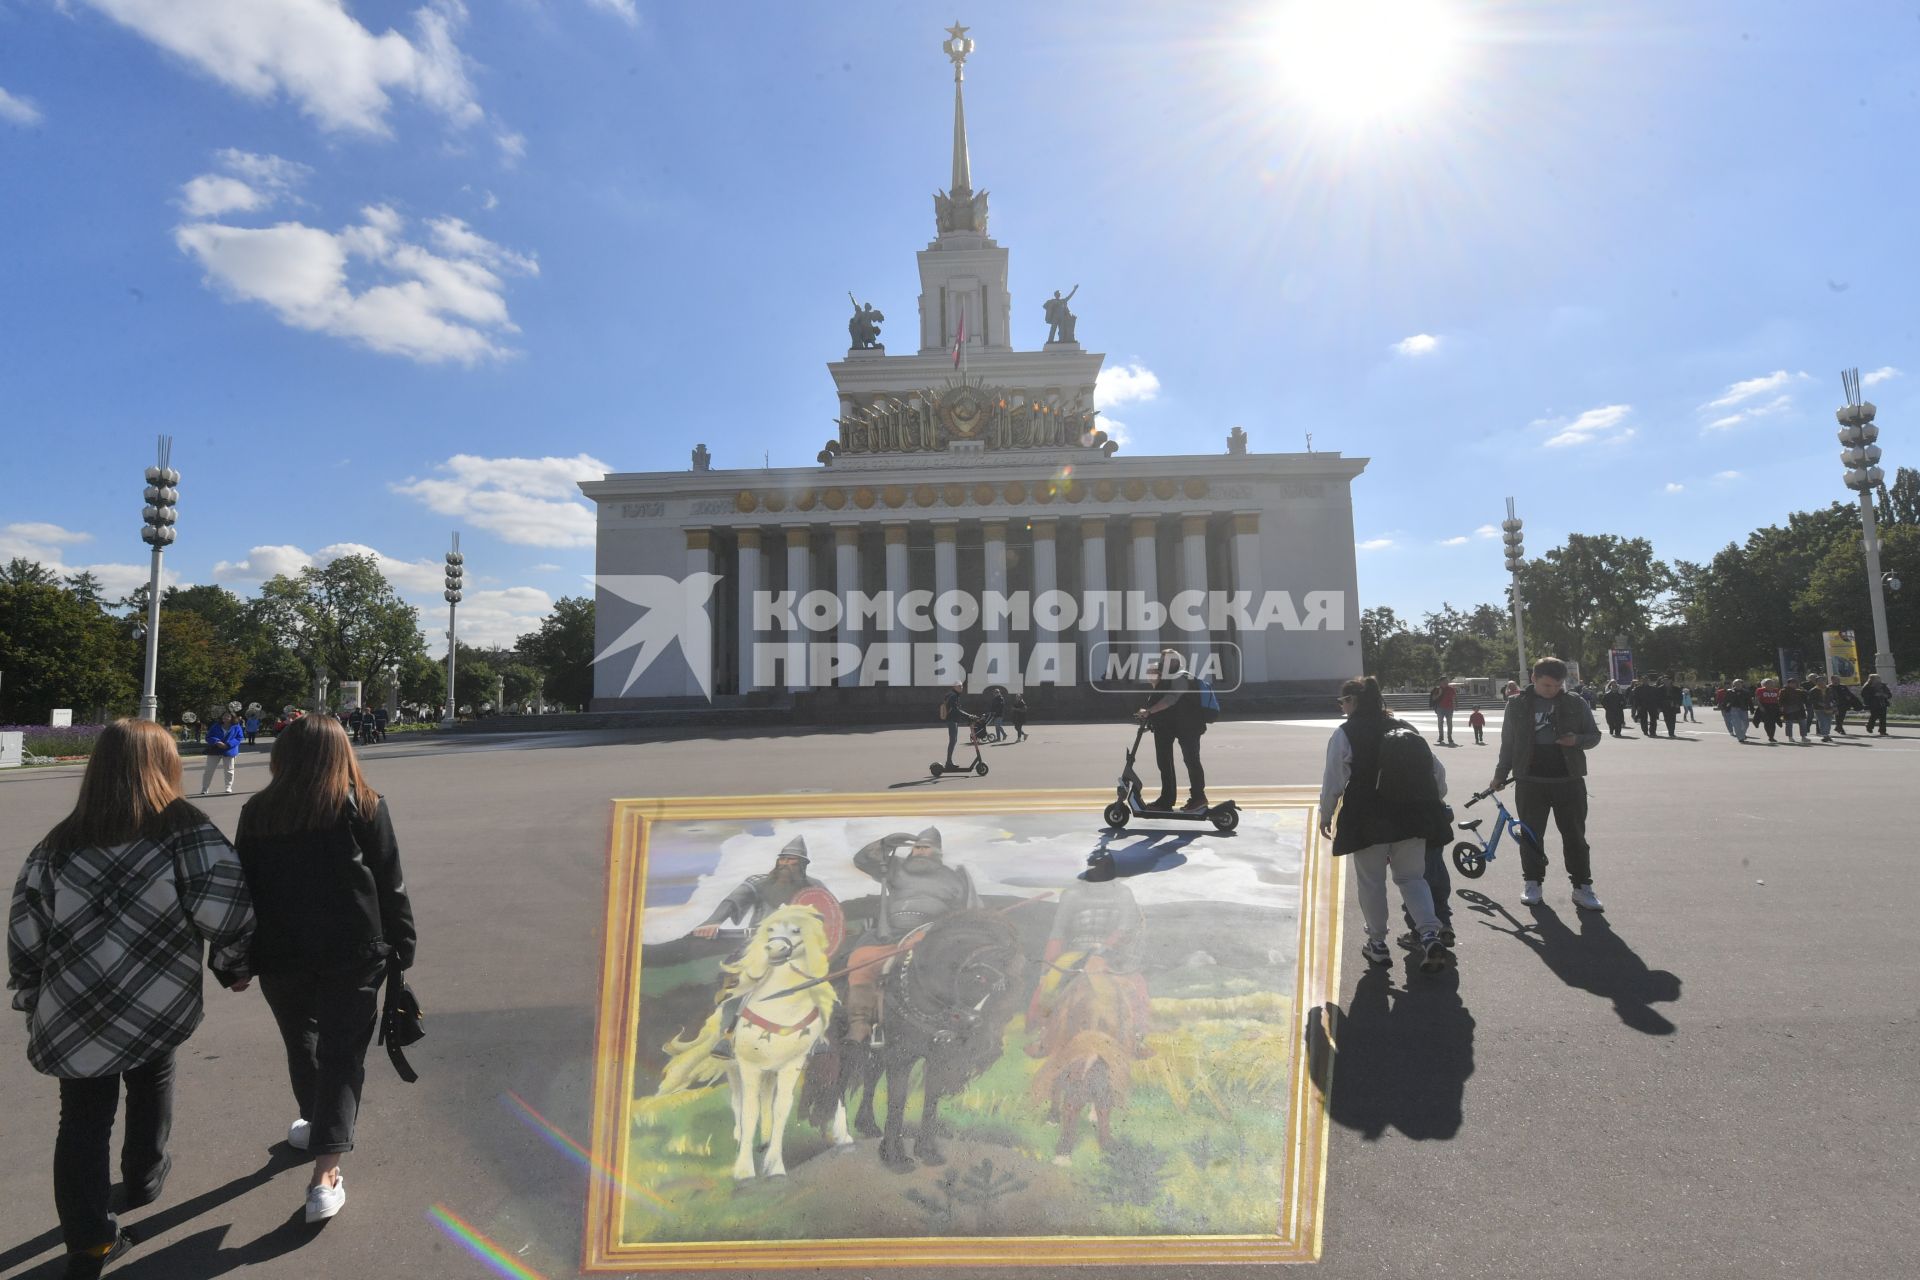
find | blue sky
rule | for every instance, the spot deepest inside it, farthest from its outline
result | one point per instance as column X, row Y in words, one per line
column 386, row 270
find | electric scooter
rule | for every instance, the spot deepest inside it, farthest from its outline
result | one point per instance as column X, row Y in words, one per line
column 976, row 727
column 1127, row 805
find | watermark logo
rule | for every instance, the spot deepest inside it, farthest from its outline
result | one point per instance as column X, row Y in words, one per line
column 1122, row 666
column 670, row 609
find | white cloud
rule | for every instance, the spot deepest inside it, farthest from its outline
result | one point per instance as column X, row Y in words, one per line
column 1487, row 531
column 1460, row 541
column 1726, row 475
column 1420, row 344
column 1124, row 384
column 427, row 307
column 529, row 501
column 1873, row 379
column 1595, row 426
column 489, row 618
column 1374, row 544
column 1673, row 487
column 47, row 545
column 623, row 9
column 263, row 563
column 546, row 568
column 422, row 577
column 1772, row 408
column 513, row 146
column 1740, row 392
column 491, row 202
column 18, row 110
column 251, row 183
column 315, row 53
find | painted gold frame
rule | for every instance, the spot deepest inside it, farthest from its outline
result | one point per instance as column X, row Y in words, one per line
column 1297, row 1234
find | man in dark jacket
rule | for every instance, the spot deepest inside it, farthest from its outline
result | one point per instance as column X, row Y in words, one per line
column 1544, row 739
column 1175, row 715
column 1877, row 697
column 1844, row 700
column 1669, row 702
column 1615, row 702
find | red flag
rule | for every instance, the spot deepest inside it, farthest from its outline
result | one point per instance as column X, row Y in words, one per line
column 960, row 340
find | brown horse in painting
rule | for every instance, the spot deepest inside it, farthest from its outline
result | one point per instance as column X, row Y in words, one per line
column 1089, row 1064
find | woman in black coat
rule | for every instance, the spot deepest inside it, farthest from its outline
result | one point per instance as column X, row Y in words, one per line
column 332, row 917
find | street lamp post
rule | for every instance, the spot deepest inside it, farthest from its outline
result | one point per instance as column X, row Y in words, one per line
column 1516, row 557
column 456, row 574
column 1861, row 457
column 163, row 495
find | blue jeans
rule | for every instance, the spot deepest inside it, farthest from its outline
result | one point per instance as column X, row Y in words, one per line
column 1823, row 721
column 1737, row 719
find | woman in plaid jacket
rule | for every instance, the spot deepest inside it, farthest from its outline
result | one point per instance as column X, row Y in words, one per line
column 104, row 945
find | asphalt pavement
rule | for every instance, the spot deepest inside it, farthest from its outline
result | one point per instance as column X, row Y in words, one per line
column 1715, row 1079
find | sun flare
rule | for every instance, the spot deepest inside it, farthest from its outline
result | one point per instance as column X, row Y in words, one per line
column 1365, row 59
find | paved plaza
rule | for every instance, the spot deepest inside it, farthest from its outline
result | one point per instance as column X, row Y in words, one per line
column 1712, row 1080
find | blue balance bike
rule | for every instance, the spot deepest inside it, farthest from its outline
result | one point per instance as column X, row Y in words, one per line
column 1470, row 857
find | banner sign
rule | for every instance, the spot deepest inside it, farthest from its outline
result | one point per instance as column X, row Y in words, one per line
column 1843, row 656
column 1620, row 666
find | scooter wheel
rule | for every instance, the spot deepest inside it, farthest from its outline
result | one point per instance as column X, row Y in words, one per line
column 980, row 768
column 1468, row 860
column 1117, row 814
column 936, row 768
column 1225, row 819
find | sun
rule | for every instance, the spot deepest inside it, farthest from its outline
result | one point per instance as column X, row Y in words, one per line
column 1362, row 60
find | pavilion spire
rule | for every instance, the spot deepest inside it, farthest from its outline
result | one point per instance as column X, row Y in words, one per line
column 958, row 209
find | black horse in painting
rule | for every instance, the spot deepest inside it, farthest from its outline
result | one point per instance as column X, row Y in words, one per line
column 945, row 1003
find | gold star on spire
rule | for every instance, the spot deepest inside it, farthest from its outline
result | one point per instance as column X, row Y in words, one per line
column 957, row 31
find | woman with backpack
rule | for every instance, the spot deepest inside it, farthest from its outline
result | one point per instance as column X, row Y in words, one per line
column 324, row 869
column 110, row 917
column 1388, row 785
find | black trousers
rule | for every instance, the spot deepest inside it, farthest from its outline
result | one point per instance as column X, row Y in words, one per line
column 1670, row 713
column 82, row 1175
column 1189, row 740
column 1567, row 801
column 327, row 1019
column 1876, row 716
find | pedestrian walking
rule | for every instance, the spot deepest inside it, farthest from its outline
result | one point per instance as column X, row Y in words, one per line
column 1820, row 705
column 1766, row 706
column 1614, row 700
column 1017, row 710
column 1442, row 700
column 1478, row 723
column 381, row 719
column 1740, row 706
column 323, row 867
column 1686, row 706
column 1793, row 709
column 1175, row 715
column 997, row 713
column 1389, row 808
column 1845, row 700
column 1720, row 704
column 224, row 737
column 110, row 917
column 1669, row 702
column 1876, row 697
column 253, row 727
column 1544, row 739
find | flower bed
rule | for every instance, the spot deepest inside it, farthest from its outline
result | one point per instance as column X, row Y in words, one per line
column 66, row 741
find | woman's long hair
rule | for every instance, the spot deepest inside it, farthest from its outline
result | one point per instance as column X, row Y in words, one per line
column 1365, row 692
column 131, row 790
column 315, row 778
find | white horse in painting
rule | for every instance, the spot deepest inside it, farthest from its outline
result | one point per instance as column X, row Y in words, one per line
column 781, row 1018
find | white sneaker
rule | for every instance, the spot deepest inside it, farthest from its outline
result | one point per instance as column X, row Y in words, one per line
column 1530, row 893
column 298, row 1133
column 324, row 1201
column 1585, row 898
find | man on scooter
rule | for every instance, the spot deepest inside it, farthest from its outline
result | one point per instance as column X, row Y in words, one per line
column 1175, row 715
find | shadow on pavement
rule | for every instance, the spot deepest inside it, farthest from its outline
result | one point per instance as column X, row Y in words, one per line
column 1397, row 1057
column 1148, row 852
column 1594, row 959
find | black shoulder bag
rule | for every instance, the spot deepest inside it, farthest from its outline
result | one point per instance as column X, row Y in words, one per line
column 401, row 1022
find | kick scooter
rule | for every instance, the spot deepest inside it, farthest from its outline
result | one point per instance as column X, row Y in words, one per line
column 1127, row 804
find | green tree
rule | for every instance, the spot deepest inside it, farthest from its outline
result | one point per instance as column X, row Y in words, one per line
column 1580, row 595
column 342, row 619
column 562, row 651
column 1376, row 625
column 198, row 670
column 423, row 681
column 1899, row 502
column 1407, row 658
column 1468, row 654
column 85, row 587
column 21, row 572
column 56, row 651
column 1836, row 593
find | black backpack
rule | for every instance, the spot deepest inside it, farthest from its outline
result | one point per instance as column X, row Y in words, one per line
column 1406, row 768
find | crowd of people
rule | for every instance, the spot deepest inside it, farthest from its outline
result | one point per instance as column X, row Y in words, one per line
column 308, row 898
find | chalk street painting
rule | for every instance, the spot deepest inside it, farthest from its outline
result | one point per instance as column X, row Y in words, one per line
column 871, row 1031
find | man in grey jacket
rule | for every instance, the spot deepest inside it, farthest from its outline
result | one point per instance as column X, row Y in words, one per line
column 1544, row 739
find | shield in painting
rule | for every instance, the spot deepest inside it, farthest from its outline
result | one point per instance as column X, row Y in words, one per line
column 822, row 900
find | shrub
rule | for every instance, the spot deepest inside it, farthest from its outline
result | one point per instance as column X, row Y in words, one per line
column 66, row 740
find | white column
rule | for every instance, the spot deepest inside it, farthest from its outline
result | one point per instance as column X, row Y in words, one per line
column 799, row 581
column 700, row 560
column 899, row 581
column 1193, row 577
column 1093, row 581
column 993, row 536
column 946, row 569
column 1146, row 574
column 1046, row 577
column 846, row 580
column 1246, row 577
column 749, row 587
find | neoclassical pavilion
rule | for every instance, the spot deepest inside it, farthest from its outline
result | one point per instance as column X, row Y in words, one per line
column 971, row 466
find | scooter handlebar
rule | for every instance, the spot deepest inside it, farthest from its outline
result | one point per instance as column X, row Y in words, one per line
column 1482, row 795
